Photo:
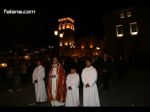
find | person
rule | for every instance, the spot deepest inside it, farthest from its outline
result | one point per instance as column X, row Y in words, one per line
column 72, row 84
column 90, row 91
column 17, row 74
column 24, row 73
column 105, row 72
column 38, row 81
column 121, row 67
column 65, row 64
column 10, row 76
column 96, row 64
column 56, row 84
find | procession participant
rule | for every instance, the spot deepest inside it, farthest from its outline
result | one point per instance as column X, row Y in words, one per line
column 90, row 91
column 56, row 84
column 38, row 81
column 72, row 84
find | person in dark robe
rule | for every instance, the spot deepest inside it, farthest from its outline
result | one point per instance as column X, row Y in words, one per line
column 105, row 71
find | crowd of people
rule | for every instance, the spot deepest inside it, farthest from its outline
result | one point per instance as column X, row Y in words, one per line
column 17, row 74
column 58, row 81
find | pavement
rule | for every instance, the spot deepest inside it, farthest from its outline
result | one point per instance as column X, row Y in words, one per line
column 132, row 91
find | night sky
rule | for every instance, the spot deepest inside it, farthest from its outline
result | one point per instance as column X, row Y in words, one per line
column 37, row 29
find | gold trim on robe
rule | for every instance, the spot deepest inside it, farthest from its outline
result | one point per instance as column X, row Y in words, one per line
column 60, row 85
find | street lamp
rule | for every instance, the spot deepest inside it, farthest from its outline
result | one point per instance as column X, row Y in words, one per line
column 61, row 35
column 98, row 48
column 55, row 32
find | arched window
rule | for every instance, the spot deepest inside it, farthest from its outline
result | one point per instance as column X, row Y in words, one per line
column 63, row 26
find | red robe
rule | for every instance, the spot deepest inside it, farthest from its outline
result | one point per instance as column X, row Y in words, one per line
column 61, row 85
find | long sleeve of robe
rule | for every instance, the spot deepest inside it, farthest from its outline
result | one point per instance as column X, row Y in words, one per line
column 72, row 98
column 40, row 90
column 90, row 94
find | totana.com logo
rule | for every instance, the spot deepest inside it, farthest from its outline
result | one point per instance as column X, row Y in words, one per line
column 6, row 11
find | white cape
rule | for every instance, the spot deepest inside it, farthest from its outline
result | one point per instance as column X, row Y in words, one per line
column 40, row 91
column 90, row 94
column 72, row 98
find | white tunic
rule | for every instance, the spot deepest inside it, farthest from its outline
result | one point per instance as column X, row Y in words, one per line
column 54, row 87
column 90, row 94
column 72, row 98
column 40, row 91
column 54, row 82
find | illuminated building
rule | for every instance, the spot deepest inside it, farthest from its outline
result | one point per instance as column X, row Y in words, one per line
column 65, row 33
column 66, row 23
column 128, row 31
column 70, row 46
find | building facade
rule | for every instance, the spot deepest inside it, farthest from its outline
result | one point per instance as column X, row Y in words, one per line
column 127, row 31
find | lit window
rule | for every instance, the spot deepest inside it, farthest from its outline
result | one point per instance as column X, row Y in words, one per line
column 73, row 28
column 68, row 26
column 122, row 15
column 129, row 14
column 133, row 28
column 119, row 30
column 59, row 28
column 63, row 27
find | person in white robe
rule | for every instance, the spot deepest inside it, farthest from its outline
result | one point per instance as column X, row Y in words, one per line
column 72, row 85
column 38, row 81
column 90, row 91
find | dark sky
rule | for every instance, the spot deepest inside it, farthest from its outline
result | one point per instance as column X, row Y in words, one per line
column 37, row 29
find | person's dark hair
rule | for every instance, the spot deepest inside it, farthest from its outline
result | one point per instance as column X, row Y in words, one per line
column 89, row 59
column 40, row 61
column 73, row 66
column 57, row 58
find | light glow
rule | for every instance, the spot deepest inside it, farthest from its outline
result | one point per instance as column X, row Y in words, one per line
column 56, row 33
column 98, row 48
column 3, row 65
column 61, row 35
column 66, row 43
